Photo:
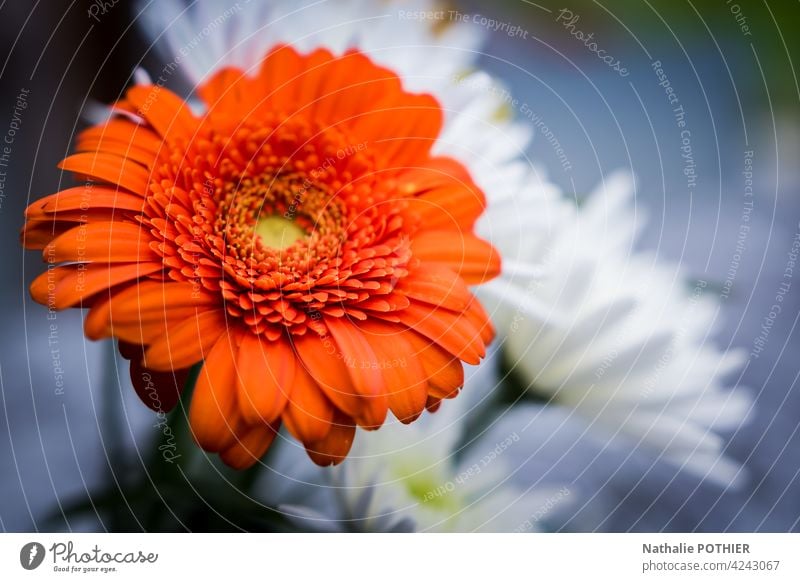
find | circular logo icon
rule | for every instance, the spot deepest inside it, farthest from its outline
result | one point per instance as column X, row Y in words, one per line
column 31, row 555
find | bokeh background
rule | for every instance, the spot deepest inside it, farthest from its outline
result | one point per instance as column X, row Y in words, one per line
column 71, row 430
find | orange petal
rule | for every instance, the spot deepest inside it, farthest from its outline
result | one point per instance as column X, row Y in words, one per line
column 71, row 285
column 160, row 297
column 37, row 234
column 345, row 84
column 481, row 321
column 308, row 414
column 186, row 341
column 317, row 68
column 451, row 330
column 249, row 446
column 213, row 412
column 110, row 242
column 319, row 357
column 226, row 89
column 266, row 374
column 474, row 259
column 437, row 285
column 443, row 195
column 126, row 149
column 167, row 113
column 433, row 404
column 144, row 308
column 404, row 376
column 121, row 131
column 455, row 206
column 444, row 372
column 435, row 172
column 333, row 449
column 110, row 168
column 160, row 391
column 145, row 330
column 368, row 381
column 80, row 216
column 279, row 67
column 83, row 198
column 401, row 128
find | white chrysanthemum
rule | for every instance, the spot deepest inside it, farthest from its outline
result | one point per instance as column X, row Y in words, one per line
column 619, row 337
column 423, row 477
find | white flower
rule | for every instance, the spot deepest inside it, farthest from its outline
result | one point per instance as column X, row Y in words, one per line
column 616, row 335
column 428, row 476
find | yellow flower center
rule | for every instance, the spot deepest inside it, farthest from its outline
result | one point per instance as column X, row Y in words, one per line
column 278, row 232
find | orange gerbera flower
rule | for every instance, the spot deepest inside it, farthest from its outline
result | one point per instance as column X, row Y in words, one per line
column 298, row 237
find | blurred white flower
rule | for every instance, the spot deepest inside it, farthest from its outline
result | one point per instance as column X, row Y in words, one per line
column 619, row 337
column 423, row 477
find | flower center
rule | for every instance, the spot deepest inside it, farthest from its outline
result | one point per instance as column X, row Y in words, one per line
column 287, row 224
column 260, row 217
column 278, row 232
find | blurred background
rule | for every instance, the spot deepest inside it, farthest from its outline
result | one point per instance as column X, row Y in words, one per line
column 67, row 407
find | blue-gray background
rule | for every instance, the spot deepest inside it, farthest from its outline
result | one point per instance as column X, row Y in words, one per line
column 739, row 92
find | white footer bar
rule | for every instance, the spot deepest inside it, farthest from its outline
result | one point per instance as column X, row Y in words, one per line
column 355, row 557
